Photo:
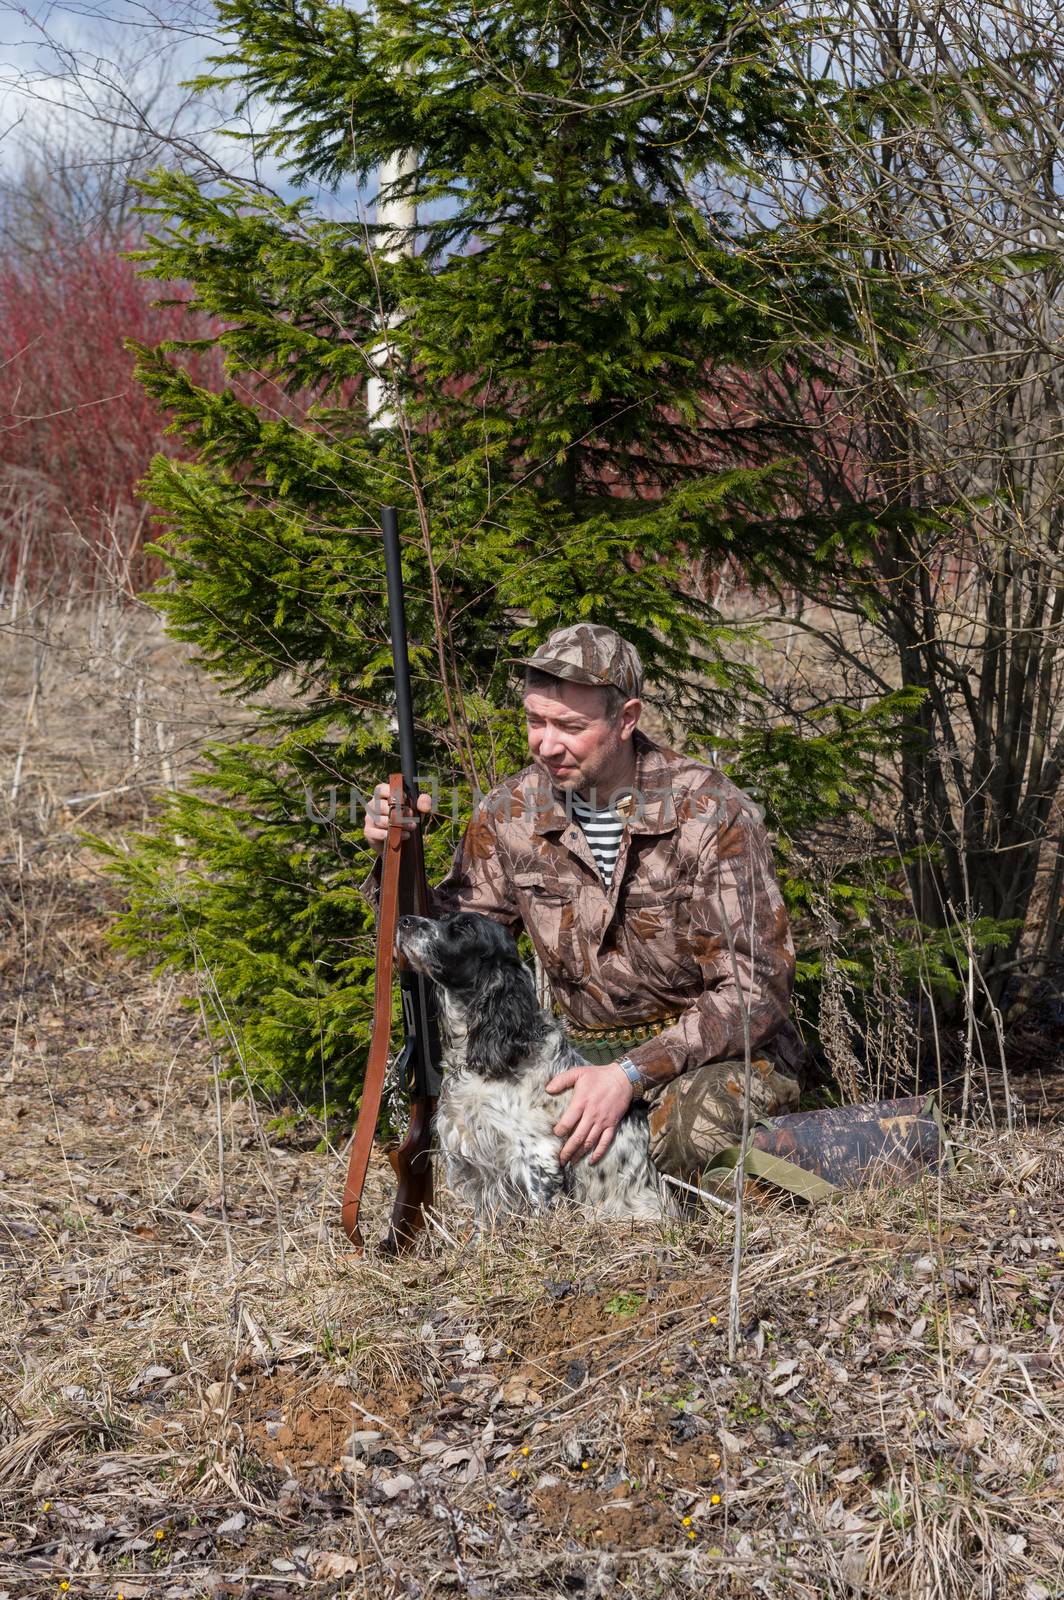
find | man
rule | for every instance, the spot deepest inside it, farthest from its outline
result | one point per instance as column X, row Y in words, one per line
column 644, row 880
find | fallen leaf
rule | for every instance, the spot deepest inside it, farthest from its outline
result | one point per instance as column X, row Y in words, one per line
column 327, row 1564
column 393, row 1487
column 784, row 1378
column 854, row 1564
column 473, row 1350
column 149, row 1375
column 364, row 1442
column 517, row 1392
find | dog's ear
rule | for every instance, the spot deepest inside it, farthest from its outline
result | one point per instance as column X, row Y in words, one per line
column 504, row 1021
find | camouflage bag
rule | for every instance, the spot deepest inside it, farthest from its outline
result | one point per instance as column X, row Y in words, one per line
column 815, row 1154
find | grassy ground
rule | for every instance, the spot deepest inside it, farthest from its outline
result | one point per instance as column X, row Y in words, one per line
column 204, row 1394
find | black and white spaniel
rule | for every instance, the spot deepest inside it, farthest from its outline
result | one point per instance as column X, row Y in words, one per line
column 495, row 1120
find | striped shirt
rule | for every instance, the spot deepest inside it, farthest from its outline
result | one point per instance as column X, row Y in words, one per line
column 603, row 830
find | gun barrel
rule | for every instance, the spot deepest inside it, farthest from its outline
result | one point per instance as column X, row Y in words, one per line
column 404, row 710
column 419, row 1008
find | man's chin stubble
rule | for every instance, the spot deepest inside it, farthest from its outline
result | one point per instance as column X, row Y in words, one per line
column 572, row 783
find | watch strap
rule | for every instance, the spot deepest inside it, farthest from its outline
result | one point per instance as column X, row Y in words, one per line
column 633, row 1074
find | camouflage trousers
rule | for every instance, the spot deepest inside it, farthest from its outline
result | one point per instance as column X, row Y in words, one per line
column 701, row 1112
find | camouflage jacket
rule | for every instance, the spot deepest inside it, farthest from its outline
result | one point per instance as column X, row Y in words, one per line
column 692, row 930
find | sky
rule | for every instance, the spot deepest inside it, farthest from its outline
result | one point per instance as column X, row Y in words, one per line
column 64, row 61
column 70, row 70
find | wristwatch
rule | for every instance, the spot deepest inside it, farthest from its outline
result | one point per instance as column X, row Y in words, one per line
column 634, row 1076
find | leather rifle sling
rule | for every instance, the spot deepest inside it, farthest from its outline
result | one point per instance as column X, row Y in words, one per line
column 380, row 1040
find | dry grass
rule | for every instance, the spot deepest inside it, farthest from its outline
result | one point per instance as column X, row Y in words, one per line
column 546, row 1411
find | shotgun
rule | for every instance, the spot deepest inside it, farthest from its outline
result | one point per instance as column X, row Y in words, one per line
column 404, row 890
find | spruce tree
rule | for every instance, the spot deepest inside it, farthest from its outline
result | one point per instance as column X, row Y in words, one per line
column 560, row 451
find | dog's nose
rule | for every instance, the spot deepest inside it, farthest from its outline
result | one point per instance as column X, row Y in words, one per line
column 408, row 922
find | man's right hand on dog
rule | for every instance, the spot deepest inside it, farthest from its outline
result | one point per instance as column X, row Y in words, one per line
column 376, row 829
column 601, row 1096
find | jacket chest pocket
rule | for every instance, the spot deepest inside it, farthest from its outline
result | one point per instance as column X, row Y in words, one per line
column 548, row 914
column 672, row 900
column 653, row 925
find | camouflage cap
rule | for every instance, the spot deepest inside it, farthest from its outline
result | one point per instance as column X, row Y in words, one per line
column 589, row 653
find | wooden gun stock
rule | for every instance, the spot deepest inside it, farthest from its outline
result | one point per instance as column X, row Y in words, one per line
column 380, row 1039
column 404, row 887
column 412, row 1164
column 412, row 1161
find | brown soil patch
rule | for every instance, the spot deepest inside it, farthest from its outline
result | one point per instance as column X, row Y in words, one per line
column 294, row 1424
column 627, row 1522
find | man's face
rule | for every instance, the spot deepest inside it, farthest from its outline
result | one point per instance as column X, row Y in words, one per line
column 573, row 742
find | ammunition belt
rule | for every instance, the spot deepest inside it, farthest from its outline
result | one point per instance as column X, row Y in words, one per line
column 625, row 1033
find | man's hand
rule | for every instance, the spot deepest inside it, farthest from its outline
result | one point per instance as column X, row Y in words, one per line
column 601, row 1096
column 376, row 829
